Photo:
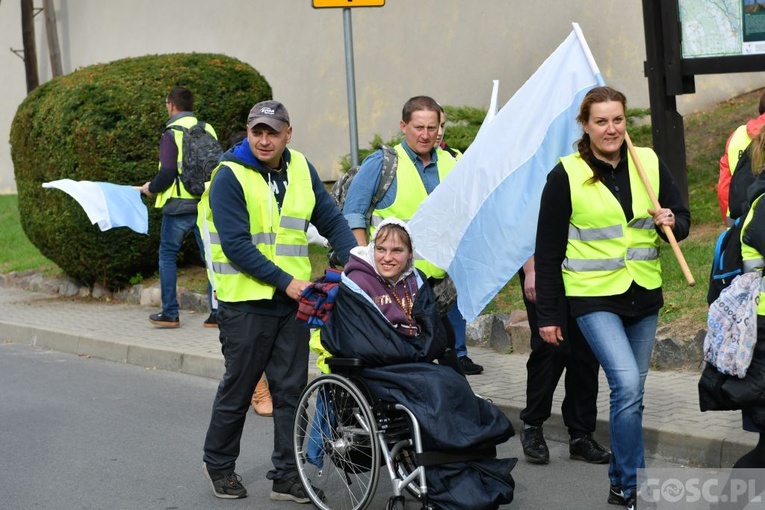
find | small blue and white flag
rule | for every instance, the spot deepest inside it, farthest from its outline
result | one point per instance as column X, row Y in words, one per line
column 108, row 205
column 480, row 222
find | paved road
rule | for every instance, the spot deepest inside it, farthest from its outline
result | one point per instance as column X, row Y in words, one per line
column 83, row 433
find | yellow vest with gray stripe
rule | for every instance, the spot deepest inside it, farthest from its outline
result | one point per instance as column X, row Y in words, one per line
column 739, row 141
column 753, row 259
column 604, row 253
column 410, row 193
column 280, row 236
column 172, row 192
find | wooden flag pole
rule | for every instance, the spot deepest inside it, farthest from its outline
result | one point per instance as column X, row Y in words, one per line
column 667, row 230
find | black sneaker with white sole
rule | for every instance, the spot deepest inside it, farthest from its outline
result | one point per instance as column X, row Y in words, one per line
column 290, row 489
column 616, row 496
column 632, row 501
column 226, row 485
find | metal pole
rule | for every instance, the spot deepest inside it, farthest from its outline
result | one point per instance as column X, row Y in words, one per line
column 52, row 34
column 350, row 78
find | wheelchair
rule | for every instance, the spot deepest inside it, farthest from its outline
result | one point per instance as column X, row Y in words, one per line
column 342, row 437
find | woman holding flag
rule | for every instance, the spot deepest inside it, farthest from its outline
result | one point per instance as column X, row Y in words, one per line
column 598, row 246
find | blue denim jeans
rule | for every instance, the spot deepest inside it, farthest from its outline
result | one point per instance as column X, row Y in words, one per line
column 460, row 330
column 174, row 230
column 623, row 347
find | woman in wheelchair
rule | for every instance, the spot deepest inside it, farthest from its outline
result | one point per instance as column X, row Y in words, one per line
column 385, row 317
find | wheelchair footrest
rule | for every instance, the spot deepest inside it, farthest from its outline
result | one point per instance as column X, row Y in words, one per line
column 446, row 457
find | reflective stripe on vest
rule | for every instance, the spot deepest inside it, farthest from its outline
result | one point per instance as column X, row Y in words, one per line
column 187, row 122
column 739, row 141
column 752, row 259
column 410, row 193
column 605, row 253
column 280, row 237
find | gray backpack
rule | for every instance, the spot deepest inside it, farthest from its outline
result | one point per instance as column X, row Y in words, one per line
column 201, row 153
column 340, row 188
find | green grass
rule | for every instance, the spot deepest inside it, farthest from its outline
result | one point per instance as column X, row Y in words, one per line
column 685, row 306
column 16, row 252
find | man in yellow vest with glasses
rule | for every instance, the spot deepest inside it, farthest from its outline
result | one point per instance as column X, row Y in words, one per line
column 421, row 166
column 259, row 204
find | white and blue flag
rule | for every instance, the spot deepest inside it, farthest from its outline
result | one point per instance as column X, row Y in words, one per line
column 480, row 222
column 108, row 205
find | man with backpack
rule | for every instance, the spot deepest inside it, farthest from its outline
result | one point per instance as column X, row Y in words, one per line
column 420, row 167
column 187, row 149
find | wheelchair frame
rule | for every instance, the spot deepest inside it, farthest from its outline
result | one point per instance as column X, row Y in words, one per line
column 341, row 438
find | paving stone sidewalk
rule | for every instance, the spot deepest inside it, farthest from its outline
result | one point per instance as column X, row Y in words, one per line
column 674, row 427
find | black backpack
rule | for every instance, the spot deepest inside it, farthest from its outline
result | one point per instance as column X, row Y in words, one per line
column 201, row 153
column 727, row 262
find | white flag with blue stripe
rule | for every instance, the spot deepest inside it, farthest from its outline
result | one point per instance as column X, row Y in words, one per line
column 106, row 204
column 480, row 222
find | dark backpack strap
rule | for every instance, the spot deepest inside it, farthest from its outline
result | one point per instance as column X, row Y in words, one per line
column 182, row 129
column 388, row 173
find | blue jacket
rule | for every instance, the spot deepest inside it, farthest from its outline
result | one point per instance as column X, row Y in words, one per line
column 232, row 222
column 366, row 181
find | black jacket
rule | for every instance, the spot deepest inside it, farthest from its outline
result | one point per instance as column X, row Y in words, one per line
column 552, row 237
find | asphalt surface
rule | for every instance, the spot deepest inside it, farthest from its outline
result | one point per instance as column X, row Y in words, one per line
column 674, row 428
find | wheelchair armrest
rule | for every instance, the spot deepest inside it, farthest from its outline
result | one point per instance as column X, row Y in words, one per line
column 343, row 365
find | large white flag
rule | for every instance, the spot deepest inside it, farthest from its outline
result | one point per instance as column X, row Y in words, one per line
column 108, row 205
column 480, row 222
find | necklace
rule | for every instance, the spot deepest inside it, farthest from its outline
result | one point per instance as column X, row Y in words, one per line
column 406, row 305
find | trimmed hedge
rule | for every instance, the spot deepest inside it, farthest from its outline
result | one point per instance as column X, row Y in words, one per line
column 103, row 123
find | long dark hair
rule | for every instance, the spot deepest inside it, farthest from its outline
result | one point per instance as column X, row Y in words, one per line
column 595, row 95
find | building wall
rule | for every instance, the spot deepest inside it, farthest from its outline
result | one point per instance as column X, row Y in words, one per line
column 449, row 49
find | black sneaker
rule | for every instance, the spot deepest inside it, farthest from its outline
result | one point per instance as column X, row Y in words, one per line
column 291, row 489
column 211, row 321
column 226, row 486
column 616, row 496
column 534, row 445
column 587, row 449
column 468, row 367
column 632, row 501
column 164, row 321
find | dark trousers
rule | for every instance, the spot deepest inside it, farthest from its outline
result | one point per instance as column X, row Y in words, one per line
column 252, row 344
column 544, row 369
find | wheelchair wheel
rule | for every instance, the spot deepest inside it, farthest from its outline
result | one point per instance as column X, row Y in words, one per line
column 335, row 441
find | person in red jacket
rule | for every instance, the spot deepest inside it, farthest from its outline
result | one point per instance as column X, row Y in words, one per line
column 734, row 147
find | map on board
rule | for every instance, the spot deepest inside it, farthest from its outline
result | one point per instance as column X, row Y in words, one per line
column 714, row 28
column 711, row 28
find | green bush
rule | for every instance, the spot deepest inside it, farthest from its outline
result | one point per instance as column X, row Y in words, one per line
column 103, row 123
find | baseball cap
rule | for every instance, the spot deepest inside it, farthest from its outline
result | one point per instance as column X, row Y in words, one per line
column 271, row 113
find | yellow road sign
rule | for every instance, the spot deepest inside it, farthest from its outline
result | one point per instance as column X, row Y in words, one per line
column 348, row 3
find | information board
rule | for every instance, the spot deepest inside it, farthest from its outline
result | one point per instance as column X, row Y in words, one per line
column 722, row 28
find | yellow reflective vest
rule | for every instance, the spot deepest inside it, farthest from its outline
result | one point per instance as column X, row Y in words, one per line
column 739, row 141
column 605, row 253
column 410, row 193
column 753, row 259
column 172, row 192
column 280, row 236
